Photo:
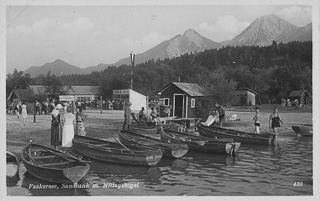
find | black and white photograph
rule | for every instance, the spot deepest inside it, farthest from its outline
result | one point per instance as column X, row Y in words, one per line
column 160, row 98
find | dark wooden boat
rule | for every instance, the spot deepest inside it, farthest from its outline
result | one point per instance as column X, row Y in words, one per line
column 214, row 146
column 303, row 129
column 143, row 141
column 52, row 165
column 144, row 129
column 238, row 136
column 113, row 152
column 12, row 166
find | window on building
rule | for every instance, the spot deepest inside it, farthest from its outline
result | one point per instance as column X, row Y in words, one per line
column 193, row 103
column 166, row 101
column 83, row 99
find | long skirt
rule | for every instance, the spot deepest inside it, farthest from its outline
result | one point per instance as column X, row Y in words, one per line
column 67, row 135
column 24, row 114
column 55, row 134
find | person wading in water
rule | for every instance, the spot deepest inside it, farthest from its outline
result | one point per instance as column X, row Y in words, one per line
column 274, row 121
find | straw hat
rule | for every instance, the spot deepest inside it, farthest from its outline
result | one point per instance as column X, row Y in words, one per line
column 128, row 103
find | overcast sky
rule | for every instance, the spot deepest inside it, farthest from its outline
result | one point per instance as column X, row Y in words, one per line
column 88, row 35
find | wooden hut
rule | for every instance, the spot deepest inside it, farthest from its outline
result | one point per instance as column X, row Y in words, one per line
column 181, row 98
column 246, row 95
column 18, row 96
column 302, row 96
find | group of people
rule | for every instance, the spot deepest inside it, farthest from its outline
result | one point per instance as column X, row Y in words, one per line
column 63, row 126
column 142, row 117
column 274, row 121
column 19, row 110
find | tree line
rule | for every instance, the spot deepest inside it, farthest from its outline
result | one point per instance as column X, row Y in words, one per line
column 272, row 71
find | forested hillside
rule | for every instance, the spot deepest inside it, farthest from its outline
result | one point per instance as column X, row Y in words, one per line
column 272, row 71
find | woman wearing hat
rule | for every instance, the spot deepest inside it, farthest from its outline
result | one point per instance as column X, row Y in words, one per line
column 127, row 114
column 55, row 126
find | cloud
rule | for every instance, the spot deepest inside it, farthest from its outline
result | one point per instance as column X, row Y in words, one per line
column 39, row 26
column 80, row 25
column 227, row 25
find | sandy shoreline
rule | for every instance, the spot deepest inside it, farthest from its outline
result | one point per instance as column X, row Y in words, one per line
column 105, row 125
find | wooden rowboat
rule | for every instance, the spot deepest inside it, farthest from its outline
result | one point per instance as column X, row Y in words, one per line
column 199, row 145
column 143, row 141
column 52, row 165
column 12, row 167
column 113, row 152
column 238, row 136
column 304, row 130
column 144, row 129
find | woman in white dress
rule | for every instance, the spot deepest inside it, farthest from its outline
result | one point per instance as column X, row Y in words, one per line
column 24, row 114
column 68, row 122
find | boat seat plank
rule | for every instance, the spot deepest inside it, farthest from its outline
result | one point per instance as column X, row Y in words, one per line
column 54, row 164
column 44, row 157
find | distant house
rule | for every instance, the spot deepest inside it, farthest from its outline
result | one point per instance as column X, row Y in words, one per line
column 19, row 96
column 246, row 95
column 80, row 93
column 182, row 98
column 302, row 96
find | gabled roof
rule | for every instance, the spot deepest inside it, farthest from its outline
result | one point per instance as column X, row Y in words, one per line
column 298, row 93
column 71, row 90
column 21, row 94
column 192, row 89
column 84, row 90
column 247, row 89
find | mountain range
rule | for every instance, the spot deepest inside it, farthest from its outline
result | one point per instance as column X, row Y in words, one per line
column 261, row 32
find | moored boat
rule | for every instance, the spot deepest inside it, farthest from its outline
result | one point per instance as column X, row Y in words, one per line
column 12, row 167
column 200, row 145
column 304, row 130
column 113, row 152
column 138, row 140
column 144, row 129
column 238, row 136
column 52, row 165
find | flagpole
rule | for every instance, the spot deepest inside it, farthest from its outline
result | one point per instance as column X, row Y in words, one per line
column 132, row 57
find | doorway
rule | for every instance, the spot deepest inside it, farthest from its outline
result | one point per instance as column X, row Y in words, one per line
column 178, row 105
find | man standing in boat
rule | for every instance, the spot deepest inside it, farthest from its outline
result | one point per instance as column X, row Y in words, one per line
column 127, row 114
column 220, row 110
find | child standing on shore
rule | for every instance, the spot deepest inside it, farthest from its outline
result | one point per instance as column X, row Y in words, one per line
column 256, row 121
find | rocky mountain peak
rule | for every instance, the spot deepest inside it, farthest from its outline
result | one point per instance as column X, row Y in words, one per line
column 263, row 31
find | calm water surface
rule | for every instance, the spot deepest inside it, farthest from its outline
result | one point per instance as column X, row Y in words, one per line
column 285, row 169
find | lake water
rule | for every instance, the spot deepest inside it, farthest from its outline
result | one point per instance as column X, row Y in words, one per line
column 284, row 169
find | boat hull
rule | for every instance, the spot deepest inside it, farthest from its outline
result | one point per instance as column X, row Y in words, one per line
column 13, row 165
column 304, row 130
column 214, row 147
column 112, row 152
column 238, row 136
column 138, row 140
column 144, row 129
column 51, row 165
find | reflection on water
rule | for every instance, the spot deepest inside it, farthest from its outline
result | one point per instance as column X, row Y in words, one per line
column 285, row 169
